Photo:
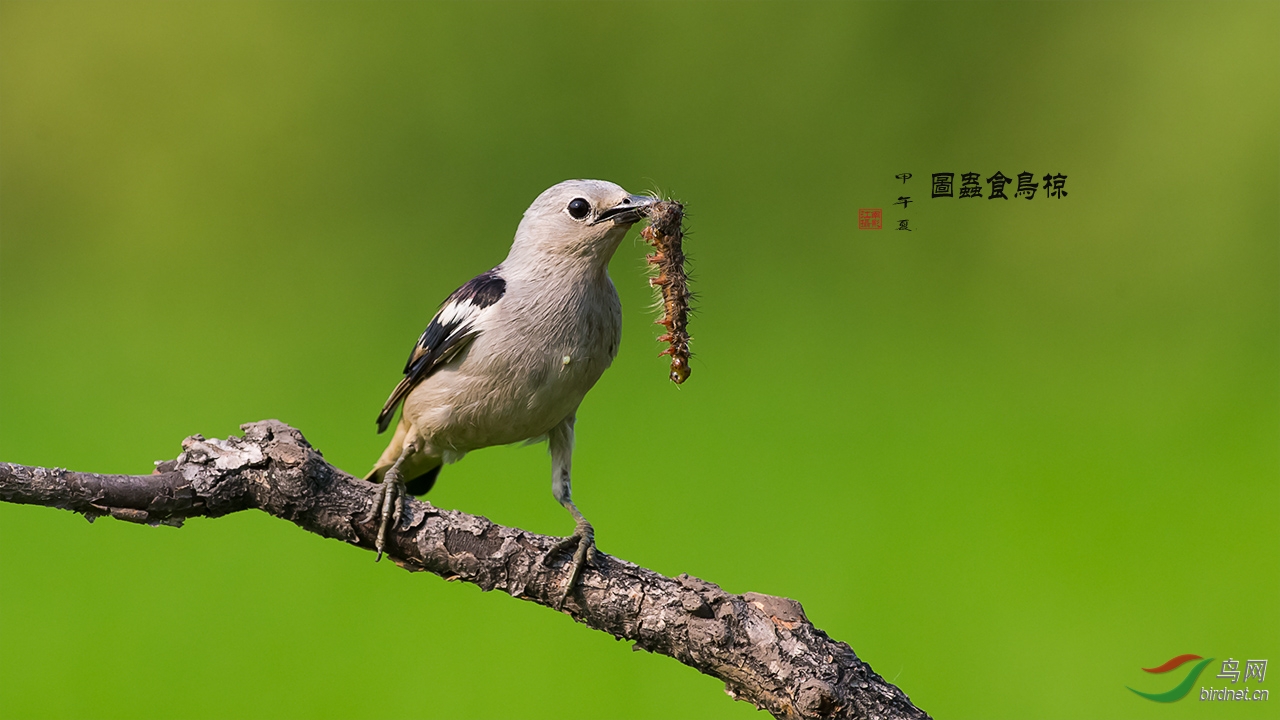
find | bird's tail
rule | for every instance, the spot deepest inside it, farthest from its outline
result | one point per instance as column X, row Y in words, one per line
column 389, row 409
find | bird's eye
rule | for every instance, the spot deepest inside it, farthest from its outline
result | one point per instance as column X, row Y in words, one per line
column 579, row 208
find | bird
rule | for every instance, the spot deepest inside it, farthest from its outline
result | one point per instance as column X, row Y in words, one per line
column 510, row 355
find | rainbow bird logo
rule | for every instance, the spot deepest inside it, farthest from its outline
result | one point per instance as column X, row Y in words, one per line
column 1182, row 688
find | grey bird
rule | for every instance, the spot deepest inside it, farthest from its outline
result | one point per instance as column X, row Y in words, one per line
column 510, row 355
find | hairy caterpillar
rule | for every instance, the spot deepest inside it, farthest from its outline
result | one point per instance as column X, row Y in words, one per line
column 665, row 234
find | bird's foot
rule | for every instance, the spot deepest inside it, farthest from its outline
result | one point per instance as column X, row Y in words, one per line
column 584, row 539
column 390, row 508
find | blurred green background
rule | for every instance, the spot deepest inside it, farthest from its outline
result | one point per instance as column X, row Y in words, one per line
column 1011, row 457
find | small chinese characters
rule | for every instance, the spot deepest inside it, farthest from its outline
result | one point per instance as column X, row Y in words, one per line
column 1053, row 185
column 997, row 183
column 1252, row 669
column 943, row 185
column 870, row 219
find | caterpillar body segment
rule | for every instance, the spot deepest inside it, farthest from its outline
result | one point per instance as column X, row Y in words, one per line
column 666, row 234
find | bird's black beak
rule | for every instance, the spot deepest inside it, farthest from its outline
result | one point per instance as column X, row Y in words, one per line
column 630, row 210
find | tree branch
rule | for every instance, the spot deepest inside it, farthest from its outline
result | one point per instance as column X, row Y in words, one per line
column 763, row 647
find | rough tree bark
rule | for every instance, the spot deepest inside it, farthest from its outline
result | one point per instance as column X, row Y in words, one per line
column 763, row 647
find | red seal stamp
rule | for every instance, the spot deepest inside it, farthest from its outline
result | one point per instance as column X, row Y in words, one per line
column 870, row 219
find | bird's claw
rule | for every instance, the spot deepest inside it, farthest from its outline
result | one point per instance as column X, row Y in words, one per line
column 390, row 509
column 584, row 540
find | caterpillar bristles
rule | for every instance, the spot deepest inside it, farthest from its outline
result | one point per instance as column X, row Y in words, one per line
column 666, row 235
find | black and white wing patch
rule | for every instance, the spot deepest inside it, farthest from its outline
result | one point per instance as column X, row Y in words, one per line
column 449, row 333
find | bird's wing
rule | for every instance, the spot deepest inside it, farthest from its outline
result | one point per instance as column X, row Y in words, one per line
column 448, row 333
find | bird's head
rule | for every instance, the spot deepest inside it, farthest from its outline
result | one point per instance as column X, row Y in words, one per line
column 584, row 219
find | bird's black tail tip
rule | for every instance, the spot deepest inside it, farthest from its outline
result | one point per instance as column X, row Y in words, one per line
column 422, row 484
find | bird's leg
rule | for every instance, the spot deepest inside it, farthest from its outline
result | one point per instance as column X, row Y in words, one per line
column 560, row 441
column 584, row 539
column 391, row 498
column 388, row 510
